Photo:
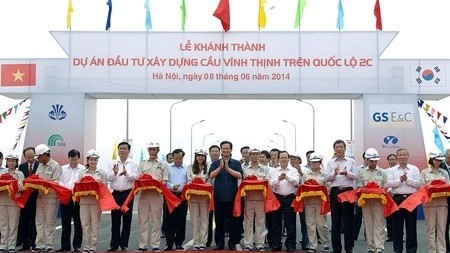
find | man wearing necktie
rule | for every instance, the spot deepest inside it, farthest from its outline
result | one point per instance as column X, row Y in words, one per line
column 26, row 233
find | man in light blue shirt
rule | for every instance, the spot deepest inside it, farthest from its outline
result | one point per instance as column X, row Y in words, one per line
column 176, row 221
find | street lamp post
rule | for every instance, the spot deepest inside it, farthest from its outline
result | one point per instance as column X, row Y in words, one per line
column 205, row 137
column 313, row 122
column 170, row 123
column 278, row 144
column 295, row 133
column 192, row 128
column 284, row 140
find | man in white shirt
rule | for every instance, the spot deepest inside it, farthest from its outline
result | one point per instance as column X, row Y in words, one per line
column 69, row 175
column 404, row 179
column 283, row 180
column 341, row 177
column 121, row 175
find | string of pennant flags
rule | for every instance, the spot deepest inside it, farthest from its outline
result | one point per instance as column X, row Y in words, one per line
column 437, row 117
column 222, row 12
column 11, row 110
column 22, row 125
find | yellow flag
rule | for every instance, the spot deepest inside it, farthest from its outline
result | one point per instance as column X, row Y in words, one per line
column 69, row 14
column 261, row 14
column 115, row 151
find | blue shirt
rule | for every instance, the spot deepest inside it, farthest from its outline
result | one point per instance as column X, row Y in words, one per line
column 225, row 185
column 177, row 175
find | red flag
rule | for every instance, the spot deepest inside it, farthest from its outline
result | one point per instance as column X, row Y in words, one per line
column 377, row 12
column 18, row 75
column 223, row 13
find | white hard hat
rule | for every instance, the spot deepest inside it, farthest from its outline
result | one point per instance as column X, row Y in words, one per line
column 153, row 144
column 41, row 149
column 12, row 155
column 437, row 156
column 201, row 151
column 372, row 154
column 92, row 153
column 254, row 150
column 296, row 154
column 315, row 157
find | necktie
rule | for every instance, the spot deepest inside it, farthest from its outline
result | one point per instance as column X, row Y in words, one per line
column 30, row 171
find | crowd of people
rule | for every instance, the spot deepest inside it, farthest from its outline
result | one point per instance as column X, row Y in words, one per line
column 253, row 200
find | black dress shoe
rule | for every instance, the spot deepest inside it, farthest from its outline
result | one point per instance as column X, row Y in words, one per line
column 290, row 250
column 389, row 239
column 219, row 247
column 113, row 249
column 168, row 248
column 232, row 246
column 76, row 250
column 123, row 248
column 179, row 247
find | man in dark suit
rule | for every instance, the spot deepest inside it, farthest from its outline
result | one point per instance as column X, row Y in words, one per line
column 26, row 233
column 446, row 166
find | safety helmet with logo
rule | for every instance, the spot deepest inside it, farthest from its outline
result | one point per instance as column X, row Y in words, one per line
column 372, row 154
column 153, row 144
column 12, row 155
column 315, row 157
column 201, row 151
column 41, row 149
column 92, row 153
column 436, row 155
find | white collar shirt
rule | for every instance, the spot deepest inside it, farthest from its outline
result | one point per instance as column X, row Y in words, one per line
column 345, row 164
column 412, row 183
column 70, row 175
column 288, row 184
column 122, row 182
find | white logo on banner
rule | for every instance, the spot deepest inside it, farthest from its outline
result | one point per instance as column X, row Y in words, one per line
column 392, row 115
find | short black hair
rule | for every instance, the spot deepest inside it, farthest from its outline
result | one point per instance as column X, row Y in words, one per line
column 226, row 142
column 309, row 152
column 167, row 156
column 1, row 155
column 178, row 151
column 390, row 156
column 339, row 142
column 124, row 143
column 244, row 147
column 213, row 146
column 275, row 150
column 73, row 153
column 364, row 155
column 283, row 151
column 266, row 153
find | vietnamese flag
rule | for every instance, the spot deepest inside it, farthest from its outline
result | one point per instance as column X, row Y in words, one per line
column 18, row 75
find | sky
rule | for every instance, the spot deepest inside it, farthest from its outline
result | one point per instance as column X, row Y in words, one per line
column 24, row 25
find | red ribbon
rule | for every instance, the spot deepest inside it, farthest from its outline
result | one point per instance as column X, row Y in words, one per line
column 35, row 182
column 198, row 187
column 370, row 191
column 89, row 186
column 436, row 188
column 10, row 184
column 311, row 188
column 250, row 183
column 146, row 182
